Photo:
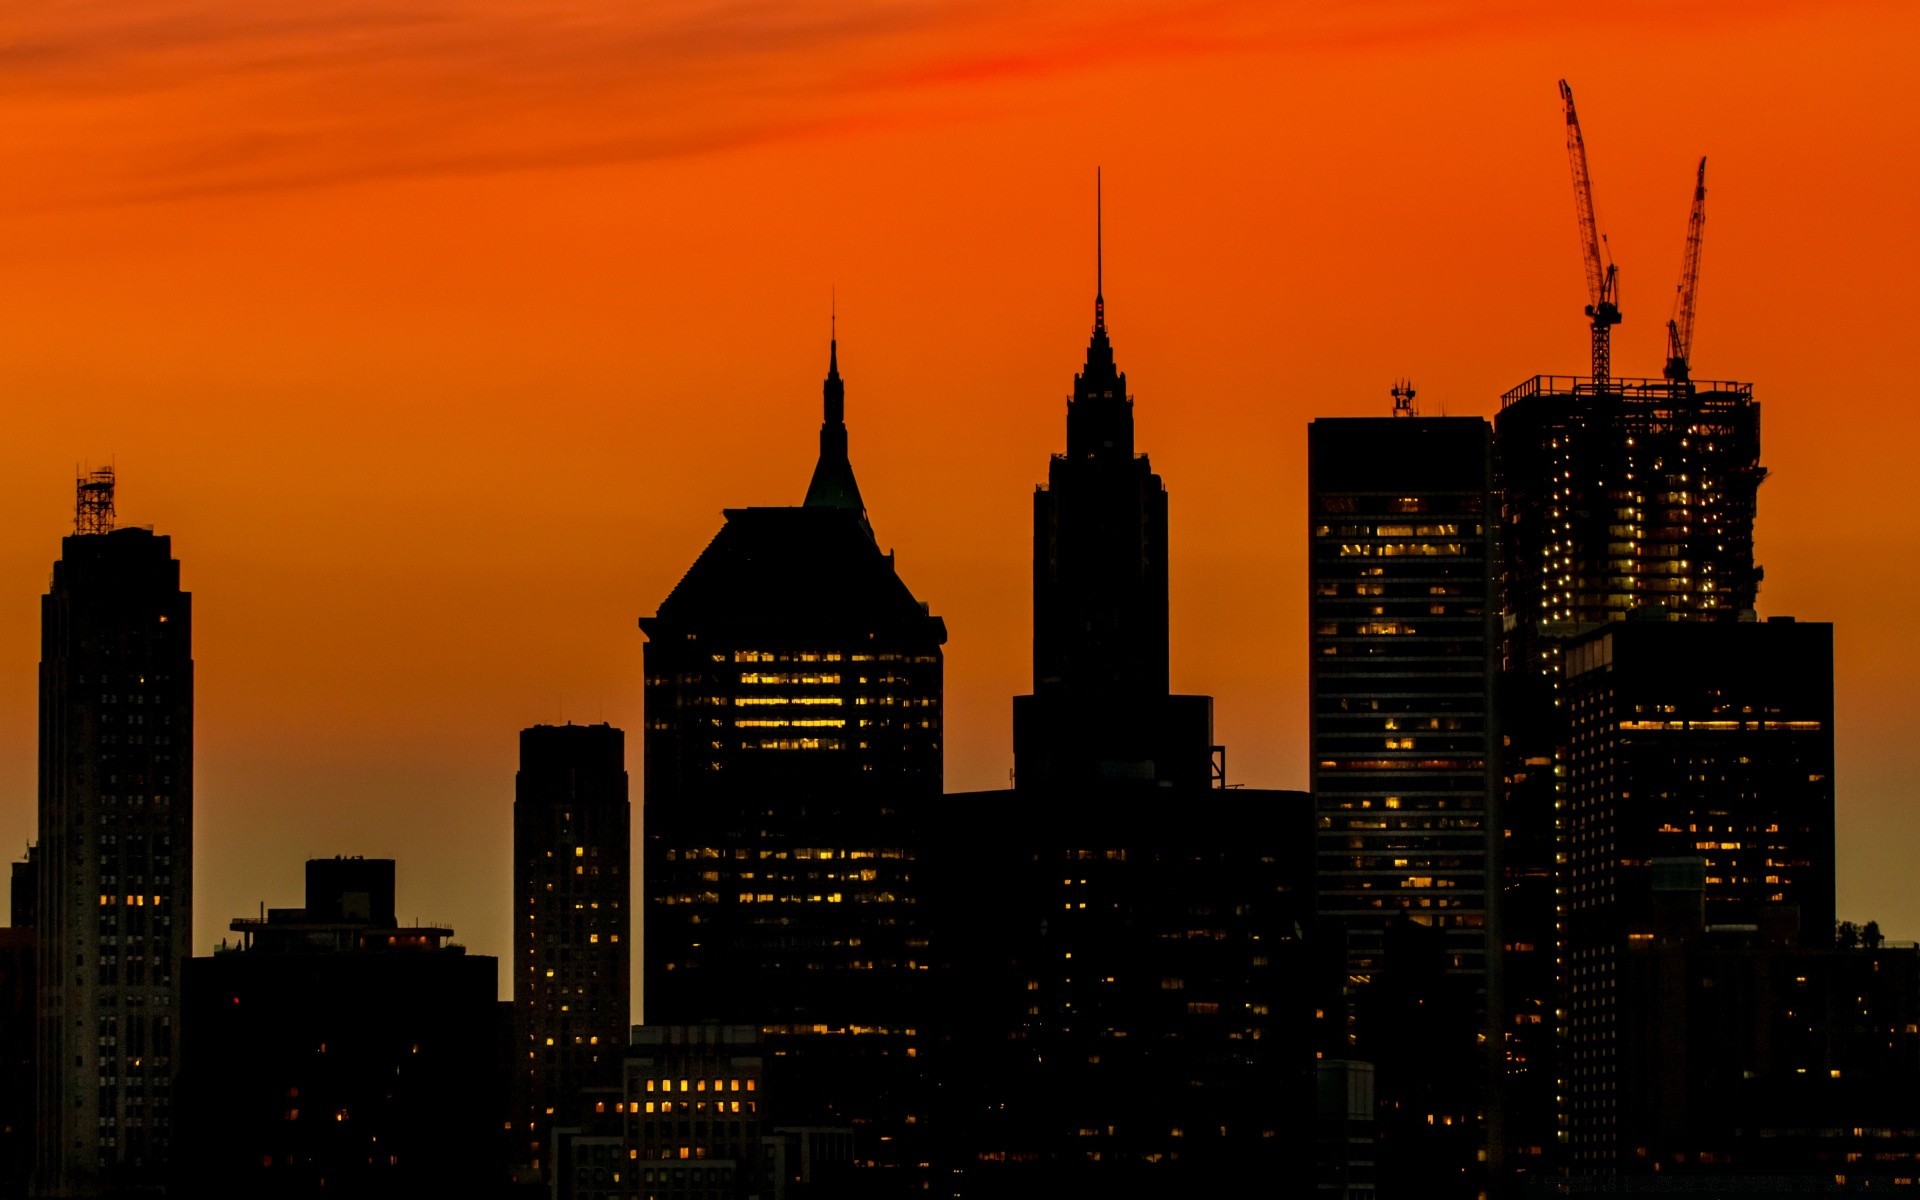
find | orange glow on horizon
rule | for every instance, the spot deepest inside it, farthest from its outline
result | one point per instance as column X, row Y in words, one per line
column 438, row 338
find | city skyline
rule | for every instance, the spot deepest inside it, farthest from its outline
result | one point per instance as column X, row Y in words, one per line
column 304, row 741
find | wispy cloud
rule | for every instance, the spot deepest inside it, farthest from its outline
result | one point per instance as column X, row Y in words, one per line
column 116, row 103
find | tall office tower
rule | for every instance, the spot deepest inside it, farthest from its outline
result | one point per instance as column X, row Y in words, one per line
column 337, row 1051
column 1101, row 708
column 115, row 911
column 1127, row 993
column 1638, row 494
column 571, row 853
column 1705, row 742
column 1401, row 680
column 793, row 742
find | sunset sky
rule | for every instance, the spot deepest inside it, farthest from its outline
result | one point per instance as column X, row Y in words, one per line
column 438, row 336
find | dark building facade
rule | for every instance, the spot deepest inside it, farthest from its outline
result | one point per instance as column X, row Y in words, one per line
column 1641, row 493
column 690, row 1122
column 1101, row 707
column 1126, row 995
column 694, row 1123
column 1403, row 768
column 1707, row 743
column 793, row 742
column 115, row 866
column 1401, row 554
column 335, row 1051
column 17, row 1033
column 1745, row 1060
column 571, row 852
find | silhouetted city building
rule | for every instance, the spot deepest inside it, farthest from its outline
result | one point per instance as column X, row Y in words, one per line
column 1641, row 495
column 793, row 742
column 1127, row 1004
column 1746, row 1059
column 1401, row 680
column 689, row 1122
column 1101, row 707
column 115, row 865
column 1345, row 1149
column 1635, row 494
column 336, row 1051
column 24, row 891
column 1401, row 683
column 17, row 1032
column 1708, row 743
column 694, row 1121
column 1128, row 994
column 571, row 850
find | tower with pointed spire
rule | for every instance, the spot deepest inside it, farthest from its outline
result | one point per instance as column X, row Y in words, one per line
column 1106, row 914
column 833, row 484
column 792, row 702
column 1101, row 708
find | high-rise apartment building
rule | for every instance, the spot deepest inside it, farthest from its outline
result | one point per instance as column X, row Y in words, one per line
column 1634, row 494
column 1642, row 495
column 115, row 873
column 573, row 929
column 1708, row 743
column 793, row 740
column 1402, row 766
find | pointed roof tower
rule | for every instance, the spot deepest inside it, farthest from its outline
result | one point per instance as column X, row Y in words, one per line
column 1100, row 415
column 833, row 484
column 1099, row 350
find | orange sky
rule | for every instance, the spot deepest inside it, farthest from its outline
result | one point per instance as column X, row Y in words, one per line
column 437, row 335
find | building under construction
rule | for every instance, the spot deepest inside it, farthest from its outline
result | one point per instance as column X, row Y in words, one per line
column 1618, row 496
column 1635, row 493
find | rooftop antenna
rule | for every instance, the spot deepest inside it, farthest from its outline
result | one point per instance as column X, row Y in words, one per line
column 1403, row 395
column 93, row 502
column 1099, row 256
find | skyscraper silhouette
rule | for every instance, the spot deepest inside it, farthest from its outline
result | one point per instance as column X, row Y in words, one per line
column 1705, row 745
column 572, row 925
column 1125, row 988
column 1615, row 496
column 1101, row 708
column 1402, row 762
column 793, row 741
column 115, row 909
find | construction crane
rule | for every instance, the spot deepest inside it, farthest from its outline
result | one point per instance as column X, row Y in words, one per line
column 1603, row 281
column 1680, row 327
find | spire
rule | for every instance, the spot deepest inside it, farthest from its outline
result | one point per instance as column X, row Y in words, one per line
column 1099, row 259
column 1100, row 364
column 833, row 485
column 835, row 390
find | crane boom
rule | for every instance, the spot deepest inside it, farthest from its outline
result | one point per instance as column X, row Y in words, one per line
column 1603, row 308
column 1680, row 327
